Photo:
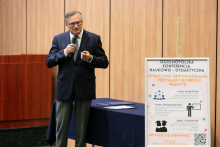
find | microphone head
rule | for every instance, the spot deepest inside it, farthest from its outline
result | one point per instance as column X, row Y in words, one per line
column 74, row 40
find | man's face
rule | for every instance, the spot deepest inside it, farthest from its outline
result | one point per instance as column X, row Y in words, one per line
column 74, row 24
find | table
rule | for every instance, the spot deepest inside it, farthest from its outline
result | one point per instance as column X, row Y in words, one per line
column 107, row 127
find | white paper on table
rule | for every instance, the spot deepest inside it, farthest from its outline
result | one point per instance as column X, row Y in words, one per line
column 120, row 107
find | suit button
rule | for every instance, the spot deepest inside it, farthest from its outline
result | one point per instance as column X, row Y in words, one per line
column 71, row 78
column 73, row 66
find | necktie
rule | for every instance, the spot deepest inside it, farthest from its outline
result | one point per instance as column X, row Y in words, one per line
column 76, row 49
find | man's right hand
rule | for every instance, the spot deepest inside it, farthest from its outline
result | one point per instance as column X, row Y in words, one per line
column 70, row 49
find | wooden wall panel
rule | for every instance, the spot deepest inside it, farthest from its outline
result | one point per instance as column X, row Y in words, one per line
column 136, row 33
column 218, row 84
column 95, row 19
column 12, row 27
column 198, row 36
column 45, row 19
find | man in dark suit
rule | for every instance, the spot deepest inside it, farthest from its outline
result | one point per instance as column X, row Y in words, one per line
column 76, row 76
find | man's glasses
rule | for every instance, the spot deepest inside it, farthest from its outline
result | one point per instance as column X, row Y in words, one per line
column 78, row 23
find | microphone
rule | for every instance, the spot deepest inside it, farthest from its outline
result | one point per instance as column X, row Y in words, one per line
column 73, row 42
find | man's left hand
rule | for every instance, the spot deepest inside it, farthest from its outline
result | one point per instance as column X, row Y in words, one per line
column 85, row 56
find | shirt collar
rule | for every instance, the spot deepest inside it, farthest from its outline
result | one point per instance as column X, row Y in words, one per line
column 79, row 36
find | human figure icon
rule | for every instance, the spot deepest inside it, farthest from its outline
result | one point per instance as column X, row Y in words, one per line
column 158, row 123
column 189, row 108
column 164, row 129
column 161, row 126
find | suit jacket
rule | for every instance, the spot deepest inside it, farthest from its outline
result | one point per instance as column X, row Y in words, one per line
column 76, row 77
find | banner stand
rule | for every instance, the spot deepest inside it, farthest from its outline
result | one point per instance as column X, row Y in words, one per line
column 177, row 102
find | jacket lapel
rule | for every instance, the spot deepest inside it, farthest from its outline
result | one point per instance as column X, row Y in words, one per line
column 82, row 45
column 67, row 38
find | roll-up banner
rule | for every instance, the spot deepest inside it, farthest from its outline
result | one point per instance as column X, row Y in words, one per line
column 177, row 102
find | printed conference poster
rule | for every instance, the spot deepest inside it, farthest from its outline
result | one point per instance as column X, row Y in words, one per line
column 177, row 100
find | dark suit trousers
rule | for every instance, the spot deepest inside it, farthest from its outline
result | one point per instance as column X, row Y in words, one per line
column 63, row 116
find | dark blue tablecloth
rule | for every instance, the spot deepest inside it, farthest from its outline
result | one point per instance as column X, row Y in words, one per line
column 111, row 128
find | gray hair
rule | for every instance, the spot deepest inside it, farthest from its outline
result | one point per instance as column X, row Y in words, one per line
column 71, row 13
